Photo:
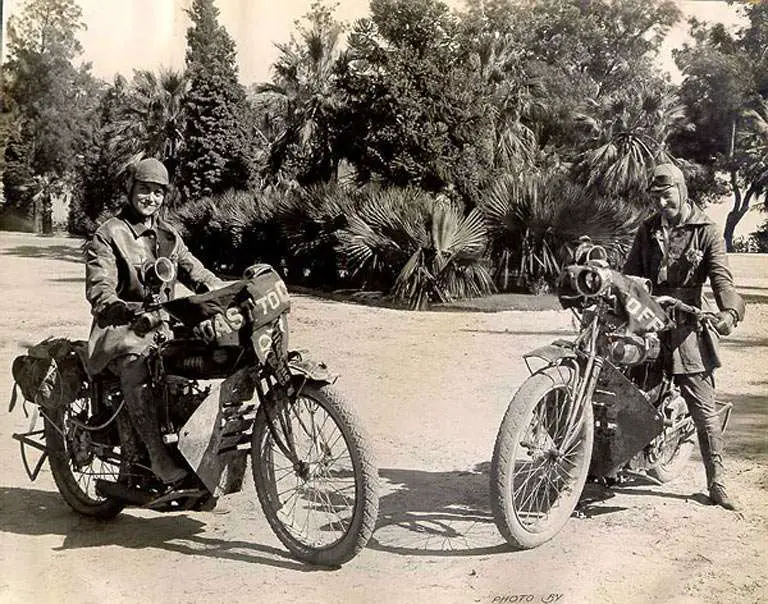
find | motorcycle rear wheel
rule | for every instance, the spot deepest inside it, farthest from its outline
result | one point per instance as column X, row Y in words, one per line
column 75, row 465
column 539, row 464
column 324, row 508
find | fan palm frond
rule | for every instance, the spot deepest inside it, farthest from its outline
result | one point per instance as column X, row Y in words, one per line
column 532, row 217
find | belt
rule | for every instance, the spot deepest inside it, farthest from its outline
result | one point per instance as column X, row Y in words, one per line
column 684, row 293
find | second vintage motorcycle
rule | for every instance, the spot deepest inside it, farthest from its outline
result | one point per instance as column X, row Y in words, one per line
column 599, row 406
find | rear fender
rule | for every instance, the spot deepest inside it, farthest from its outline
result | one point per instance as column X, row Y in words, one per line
column 551, row 354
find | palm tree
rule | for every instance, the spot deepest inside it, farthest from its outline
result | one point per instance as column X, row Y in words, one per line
column 531, row 217
column 512, row 99
column 625, row 136
column 420, row 248
column 149, row 116
column 303, row 100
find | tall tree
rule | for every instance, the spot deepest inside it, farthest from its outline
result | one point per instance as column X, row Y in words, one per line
column 304, row 99
column 147, row 116
column 623, row 136
column 725, row 90
column 218, row 141
column 143, row 117
column 411, row 99
column 559, row 53
column 51, row 98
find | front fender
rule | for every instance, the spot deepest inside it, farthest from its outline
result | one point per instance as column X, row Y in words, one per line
column 317, row 371
column 551, row 353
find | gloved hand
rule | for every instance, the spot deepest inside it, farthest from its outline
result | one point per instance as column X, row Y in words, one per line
column 726, row 321
column 116, row 313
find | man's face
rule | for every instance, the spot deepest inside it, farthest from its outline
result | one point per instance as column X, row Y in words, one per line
column 147, row 197
column 668, row 202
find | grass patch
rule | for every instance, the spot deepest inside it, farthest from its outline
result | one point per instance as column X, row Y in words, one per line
column 492, row 303
column 501, row 302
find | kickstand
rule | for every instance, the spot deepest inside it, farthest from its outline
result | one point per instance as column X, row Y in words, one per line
column 644, row 476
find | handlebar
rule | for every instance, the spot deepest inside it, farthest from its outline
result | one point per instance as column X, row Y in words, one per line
column 676, row 304
column 703, row 316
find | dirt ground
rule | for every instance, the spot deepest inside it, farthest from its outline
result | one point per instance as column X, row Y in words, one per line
column 431, row 388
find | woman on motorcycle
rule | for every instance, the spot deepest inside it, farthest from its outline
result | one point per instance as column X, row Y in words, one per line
column 678, row 248
column 115, row 287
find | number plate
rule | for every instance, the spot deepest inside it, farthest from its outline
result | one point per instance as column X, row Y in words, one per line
column 268, row 298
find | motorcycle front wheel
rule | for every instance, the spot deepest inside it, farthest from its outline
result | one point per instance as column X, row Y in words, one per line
column 322, row 505
column 540, row 459
column 77, row 462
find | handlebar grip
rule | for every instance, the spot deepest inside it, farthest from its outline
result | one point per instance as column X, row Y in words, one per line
column 147, row 322
column 676, row 304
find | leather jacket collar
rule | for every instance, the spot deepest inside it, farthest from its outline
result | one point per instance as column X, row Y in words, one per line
column 695, row 217
column 136, row 223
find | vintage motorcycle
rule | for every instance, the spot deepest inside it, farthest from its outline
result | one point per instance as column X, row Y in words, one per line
column 227, row 387
column 601, row 406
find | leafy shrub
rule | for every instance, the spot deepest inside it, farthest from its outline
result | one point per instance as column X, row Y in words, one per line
column 533, row 217
column 420, row 248
column 233, row 230
column 309, row 222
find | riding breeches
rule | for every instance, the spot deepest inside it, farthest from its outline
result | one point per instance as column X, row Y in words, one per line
column 698, row 390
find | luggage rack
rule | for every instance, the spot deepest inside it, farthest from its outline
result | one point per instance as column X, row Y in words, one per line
column 36, row 440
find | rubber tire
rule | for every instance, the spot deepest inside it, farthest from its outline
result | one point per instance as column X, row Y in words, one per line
column 366, row 481
column 669, row 470
column 58, row 461
column 516, row 419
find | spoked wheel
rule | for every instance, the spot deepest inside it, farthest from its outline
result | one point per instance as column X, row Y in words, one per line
column 672, row 452
column 323, row 503
column 77, row 462
column 541, row 459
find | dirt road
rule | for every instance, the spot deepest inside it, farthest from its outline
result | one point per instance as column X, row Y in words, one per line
column 432, row 389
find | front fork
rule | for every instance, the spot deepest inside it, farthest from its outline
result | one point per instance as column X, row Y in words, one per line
column 281, row 397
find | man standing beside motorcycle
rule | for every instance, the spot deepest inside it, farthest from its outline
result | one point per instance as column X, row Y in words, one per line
column 678, row 248
column 116, row 258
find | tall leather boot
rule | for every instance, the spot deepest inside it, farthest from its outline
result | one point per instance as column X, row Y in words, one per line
column 143, row 414
column 130, row 445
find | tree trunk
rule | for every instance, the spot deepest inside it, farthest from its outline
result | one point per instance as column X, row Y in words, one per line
column 37, row 215
column 47, row 218
column 740, row 207
column 733, row 218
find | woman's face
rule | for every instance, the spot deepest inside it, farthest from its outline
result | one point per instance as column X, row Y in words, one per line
column 147, row 197
column 669, row 202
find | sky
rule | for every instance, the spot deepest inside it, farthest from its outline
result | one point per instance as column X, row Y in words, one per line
column 149, row 34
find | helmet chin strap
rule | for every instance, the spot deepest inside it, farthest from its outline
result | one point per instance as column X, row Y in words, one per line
column 685, row 210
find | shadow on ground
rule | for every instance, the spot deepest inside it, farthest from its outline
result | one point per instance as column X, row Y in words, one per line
column 66, row 253
column 436, row 514
column 563, row 333
column 739, row 341
column 34, row 512
column 747, row 431
column 595, row 495
column 448, row 513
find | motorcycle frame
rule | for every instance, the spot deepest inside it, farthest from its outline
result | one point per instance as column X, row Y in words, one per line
column 581, row 355
column 292, row 367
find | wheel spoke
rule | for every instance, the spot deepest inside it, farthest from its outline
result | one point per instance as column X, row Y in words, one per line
column 547, row 457
column 80, row 461
column 316, row 506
